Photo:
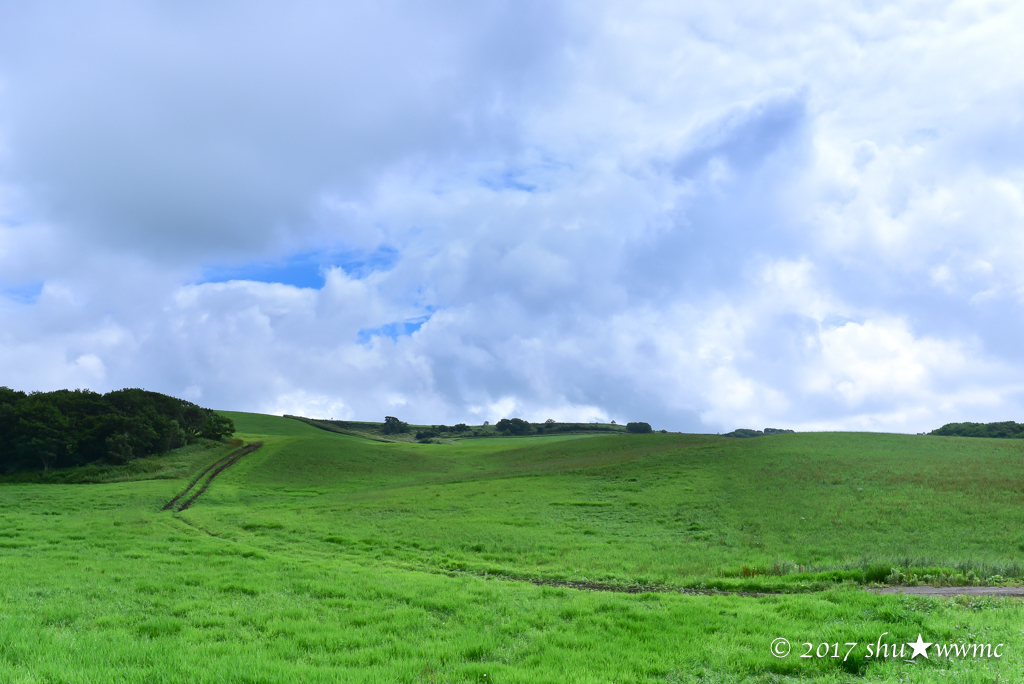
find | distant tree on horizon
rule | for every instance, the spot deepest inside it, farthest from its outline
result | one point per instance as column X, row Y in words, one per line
column 393, row 426
column 514, row 426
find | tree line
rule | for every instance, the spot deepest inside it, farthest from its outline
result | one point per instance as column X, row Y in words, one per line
column 394, row 427
column 506, row 426
column 518, row 426
column 1005, row 429
column 67, row 428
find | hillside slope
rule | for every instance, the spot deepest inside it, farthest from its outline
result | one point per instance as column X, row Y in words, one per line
column 643, row 509
column 323, row 558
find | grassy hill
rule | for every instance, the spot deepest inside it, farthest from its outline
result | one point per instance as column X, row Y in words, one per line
column 326, row 557
column 655, row 509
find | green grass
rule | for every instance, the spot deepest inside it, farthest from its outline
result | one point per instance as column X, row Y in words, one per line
column 674, row 510
column 325, row 558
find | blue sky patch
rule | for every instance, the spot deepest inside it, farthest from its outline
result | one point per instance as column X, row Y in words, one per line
column 26, row 293
column 305, row 269
column 393, row 330
column 512, row 179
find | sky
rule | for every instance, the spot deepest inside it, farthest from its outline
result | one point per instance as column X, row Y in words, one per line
column 705, row 216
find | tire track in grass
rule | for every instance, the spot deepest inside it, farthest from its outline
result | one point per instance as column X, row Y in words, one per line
column 640, row 589
column 1013, row 591
column 170, row 504
column 953, row 591
column 217, row 467
column 248, row 449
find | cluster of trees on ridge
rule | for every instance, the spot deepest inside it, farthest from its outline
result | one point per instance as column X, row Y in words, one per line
column 517, row 426
column 69, row 428
column 393, row 428
column 514, row 426
column 747, row 432
column 1007, row 430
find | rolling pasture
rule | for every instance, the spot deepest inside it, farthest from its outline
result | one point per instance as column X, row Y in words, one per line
column 323, row 557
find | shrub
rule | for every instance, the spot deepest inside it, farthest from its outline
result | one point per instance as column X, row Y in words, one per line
column 638, row 428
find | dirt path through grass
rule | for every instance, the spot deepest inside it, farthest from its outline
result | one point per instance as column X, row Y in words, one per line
column 633, row 589
column 953, row 591
column 910, row 591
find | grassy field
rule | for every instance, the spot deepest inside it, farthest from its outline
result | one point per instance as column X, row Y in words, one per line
column 329, row 558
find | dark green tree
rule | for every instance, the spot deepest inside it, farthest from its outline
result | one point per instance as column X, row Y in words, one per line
column 513, row 426
column 119, row 449
column 393, row 426
column 217, row 427
column 68, row 428
column 1004, row 430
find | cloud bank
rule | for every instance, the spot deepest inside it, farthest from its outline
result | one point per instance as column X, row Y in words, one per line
column 701, row 217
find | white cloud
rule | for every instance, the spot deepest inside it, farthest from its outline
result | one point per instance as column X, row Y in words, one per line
column 301, row 403
column 879, row 360
column 703, row 216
